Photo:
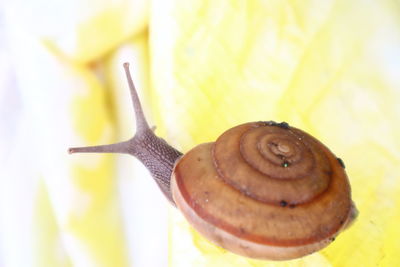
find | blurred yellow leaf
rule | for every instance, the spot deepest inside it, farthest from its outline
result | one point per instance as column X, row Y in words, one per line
column 328, row 67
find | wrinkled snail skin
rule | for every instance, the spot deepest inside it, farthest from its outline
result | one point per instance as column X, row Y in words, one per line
column 155, row 154
column 263, row 190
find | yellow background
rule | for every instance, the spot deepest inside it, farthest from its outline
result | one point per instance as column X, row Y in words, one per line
column 331, row 68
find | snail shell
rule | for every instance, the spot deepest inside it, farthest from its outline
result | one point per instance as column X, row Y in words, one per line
column 264, row 190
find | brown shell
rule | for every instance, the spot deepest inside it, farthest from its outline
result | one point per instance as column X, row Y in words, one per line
column 264, row 190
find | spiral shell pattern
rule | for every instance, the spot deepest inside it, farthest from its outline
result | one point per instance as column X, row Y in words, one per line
column 272, row 164
column 264, row 190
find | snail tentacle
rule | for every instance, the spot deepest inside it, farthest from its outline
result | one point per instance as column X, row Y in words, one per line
column 111, row 148
column 141, row 122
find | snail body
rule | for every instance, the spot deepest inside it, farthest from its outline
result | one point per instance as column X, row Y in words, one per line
column 263, row 190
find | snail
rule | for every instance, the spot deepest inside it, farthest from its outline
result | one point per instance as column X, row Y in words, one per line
column 263, row 189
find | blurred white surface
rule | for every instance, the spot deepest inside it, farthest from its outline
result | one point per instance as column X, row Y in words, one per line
column 36, row 89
